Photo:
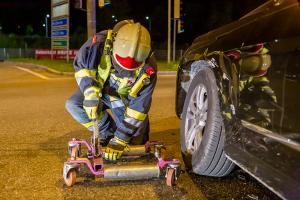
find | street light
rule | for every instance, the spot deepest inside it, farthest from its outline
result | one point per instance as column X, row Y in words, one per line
column 46, row 24
column 114, row 18
column 149, row 21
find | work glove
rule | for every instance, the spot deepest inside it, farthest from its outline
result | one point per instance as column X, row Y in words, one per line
column 91, row 101
column 115, row 149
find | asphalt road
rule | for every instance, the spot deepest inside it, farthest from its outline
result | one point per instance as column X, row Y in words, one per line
column 35, row 129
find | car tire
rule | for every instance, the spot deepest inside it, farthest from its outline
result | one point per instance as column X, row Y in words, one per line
column 202, row 133
column 180, row 94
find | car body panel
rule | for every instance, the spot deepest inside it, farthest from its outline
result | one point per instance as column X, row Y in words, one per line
column 260, row 111
column 283, row 22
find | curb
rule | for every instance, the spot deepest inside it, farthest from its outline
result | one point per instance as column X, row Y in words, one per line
column 31, row 65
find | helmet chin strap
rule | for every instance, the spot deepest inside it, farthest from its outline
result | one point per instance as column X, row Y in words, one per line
column 121, row 71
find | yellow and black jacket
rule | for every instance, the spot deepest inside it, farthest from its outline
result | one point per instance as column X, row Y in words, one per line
column 128, row 91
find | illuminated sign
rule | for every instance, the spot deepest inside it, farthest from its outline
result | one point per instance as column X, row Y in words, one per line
column 58, row 33
column 60, row 10
column 60, row 22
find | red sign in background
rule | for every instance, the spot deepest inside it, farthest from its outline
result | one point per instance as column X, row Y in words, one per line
column 57, row 53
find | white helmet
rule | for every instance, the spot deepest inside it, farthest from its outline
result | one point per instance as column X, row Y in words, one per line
column 131, row 46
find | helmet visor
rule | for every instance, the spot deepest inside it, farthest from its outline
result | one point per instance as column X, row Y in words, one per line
column 127, row 63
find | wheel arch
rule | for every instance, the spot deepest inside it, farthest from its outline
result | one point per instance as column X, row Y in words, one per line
column 225, row 82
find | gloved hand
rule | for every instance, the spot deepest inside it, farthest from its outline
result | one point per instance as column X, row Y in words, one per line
column 91, row 101
column 115, row 149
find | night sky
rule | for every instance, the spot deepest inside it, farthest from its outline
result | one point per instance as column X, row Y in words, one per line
column 199, row 16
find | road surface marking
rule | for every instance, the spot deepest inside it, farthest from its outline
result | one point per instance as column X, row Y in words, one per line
column 47, row 78
column 42, row 76
column 33, row 73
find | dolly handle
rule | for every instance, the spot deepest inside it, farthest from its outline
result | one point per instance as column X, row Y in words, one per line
column 95, row 128
column 96, row 135
column 96, row 139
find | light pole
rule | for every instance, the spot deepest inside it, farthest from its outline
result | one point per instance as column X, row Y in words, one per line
column 46, row 24
column 91, row 17
column 169, row 31
column 149, row 22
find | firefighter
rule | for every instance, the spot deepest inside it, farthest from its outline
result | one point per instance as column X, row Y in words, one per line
column 116, row 70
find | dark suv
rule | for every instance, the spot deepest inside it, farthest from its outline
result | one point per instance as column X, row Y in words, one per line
column 238, row 95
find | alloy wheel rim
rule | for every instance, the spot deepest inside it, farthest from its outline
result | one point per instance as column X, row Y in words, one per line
column 196, row 117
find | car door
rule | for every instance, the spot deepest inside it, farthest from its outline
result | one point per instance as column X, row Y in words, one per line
column 267, row 132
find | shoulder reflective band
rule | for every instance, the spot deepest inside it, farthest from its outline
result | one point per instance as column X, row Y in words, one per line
column 138, row 85
column 135, row 114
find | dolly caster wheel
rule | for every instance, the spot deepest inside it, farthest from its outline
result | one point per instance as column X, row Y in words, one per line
column 171, row 179
column 70, row 180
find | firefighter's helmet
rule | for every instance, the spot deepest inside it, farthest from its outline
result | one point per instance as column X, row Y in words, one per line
column 256, row 65
column 131, row 46
column 122, row 23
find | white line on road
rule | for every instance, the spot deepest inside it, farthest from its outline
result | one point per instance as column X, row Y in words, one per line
column 47, row 78
column 33, row 73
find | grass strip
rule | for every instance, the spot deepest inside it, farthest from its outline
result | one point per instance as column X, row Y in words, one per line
column 63, row 66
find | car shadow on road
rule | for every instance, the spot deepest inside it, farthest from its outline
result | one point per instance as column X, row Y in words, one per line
column 237, row 185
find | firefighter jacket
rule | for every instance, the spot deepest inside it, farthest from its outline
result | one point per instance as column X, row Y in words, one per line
column 127, row 90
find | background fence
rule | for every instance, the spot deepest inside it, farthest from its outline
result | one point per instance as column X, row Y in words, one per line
column 6, row 53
